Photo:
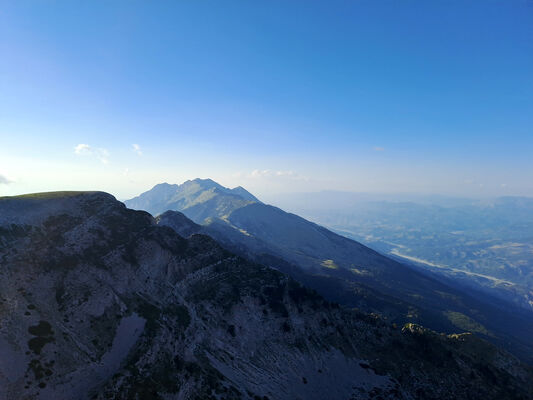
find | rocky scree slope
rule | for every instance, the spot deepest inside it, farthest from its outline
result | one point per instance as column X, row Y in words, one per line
column 98, row 302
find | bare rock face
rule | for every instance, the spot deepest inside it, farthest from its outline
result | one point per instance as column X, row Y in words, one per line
column 99, row 302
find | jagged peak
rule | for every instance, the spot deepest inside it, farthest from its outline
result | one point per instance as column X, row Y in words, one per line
column 204, row 183
column 192, row 193
column 164, row 186
column 197, row 185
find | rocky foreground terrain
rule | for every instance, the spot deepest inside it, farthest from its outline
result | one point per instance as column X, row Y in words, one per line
column 99, row 302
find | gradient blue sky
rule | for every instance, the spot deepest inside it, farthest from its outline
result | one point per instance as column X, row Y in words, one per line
column 277, row 96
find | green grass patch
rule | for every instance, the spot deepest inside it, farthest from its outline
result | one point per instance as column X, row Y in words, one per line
column 466, row 323
column 47, row 195
column 329, row 264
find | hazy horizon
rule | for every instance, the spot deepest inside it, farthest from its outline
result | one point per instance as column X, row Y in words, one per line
column 292, row 198
column 426, row 97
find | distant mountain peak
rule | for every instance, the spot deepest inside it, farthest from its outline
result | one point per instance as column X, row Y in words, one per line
column 206, row 181
column 163, row 188
column 192, row 195
column 163, row 184
column 203, row 183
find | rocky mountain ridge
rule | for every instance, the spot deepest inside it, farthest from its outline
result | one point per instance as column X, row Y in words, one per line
column 98, row 301
column 339, row 268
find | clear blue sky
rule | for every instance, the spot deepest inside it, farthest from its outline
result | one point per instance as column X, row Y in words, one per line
column 386, row 96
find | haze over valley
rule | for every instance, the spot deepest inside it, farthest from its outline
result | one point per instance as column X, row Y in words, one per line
column 481, row 243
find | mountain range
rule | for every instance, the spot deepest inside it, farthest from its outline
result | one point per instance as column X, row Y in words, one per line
column 340, row 269
column 98, row 301
column 485, row 244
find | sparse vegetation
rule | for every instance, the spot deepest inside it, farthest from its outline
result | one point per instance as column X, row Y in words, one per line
column 329, row 264
column 465, row 323
column 44, row 334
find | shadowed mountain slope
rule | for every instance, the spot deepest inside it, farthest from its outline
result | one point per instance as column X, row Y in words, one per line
column 346, row 271
column 98, row 301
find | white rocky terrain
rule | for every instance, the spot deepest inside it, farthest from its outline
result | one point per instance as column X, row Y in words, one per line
column 99, row 302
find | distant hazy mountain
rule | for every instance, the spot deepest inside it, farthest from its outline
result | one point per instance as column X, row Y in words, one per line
column 197, row 197
column 339, row 268
column 99, row 302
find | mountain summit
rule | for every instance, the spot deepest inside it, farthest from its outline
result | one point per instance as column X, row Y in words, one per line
column 199, row 197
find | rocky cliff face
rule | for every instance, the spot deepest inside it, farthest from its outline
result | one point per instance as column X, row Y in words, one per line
column 97, row 301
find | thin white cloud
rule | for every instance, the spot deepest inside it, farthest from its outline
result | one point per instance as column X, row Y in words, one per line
column 4, row 180
column 256, row 173
column 268, row 173
column 83, row 149
column 377, row 148
column 286, row 173
column 137, row 149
